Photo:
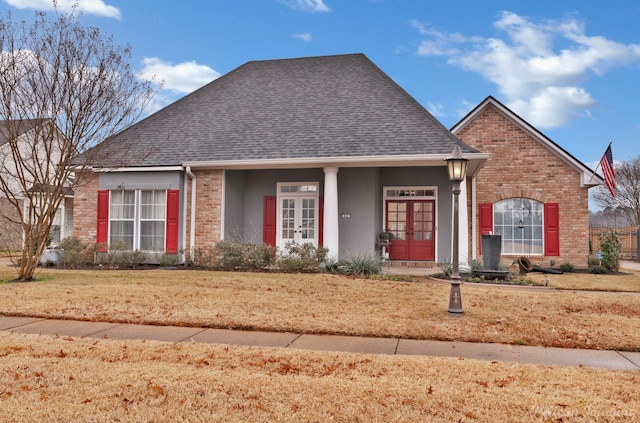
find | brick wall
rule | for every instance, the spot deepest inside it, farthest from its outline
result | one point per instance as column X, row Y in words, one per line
column 520, row 166
column 208, row 208
column 85, row 207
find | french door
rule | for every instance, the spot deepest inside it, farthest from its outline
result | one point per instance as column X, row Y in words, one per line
column 412, row 227
column 298, row 220
column 298, row 209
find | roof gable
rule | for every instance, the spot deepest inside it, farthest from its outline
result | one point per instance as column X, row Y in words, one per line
column 289, row 109
column 588, row 177
column 11, row 129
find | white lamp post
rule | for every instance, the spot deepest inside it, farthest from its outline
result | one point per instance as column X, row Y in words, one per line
column 457, row 167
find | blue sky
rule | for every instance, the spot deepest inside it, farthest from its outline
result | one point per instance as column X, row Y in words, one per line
column 570, row 68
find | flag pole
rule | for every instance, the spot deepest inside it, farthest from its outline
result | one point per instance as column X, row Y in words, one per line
column 598, row 167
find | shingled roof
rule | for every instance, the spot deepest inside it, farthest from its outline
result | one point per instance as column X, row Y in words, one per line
column 289, row 109
column 10, row 129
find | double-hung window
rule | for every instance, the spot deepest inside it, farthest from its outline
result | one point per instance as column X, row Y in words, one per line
column 137, row 219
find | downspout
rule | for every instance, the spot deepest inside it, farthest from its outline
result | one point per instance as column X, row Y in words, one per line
column 192, row 228
column 474, row 221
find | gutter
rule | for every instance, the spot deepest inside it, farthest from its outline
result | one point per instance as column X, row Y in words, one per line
column 344, row 161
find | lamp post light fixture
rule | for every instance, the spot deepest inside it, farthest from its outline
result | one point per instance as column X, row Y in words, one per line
column 457, row 167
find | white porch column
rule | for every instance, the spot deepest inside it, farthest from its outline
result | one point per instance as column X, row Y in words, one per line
column 463, row 231
column 330, row 232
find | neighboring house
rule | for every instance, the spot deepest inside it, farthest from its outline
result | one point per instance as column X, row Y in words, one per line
column 327, row 150
column 22, row 134
column 531, row 191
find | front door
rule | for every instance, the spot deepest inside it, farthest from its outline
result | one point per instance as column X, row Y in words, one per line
column 298, row 220
column 412, row 227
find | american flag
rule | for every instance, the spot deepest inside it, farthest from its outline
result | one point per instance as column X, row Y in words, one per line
column 606, row 163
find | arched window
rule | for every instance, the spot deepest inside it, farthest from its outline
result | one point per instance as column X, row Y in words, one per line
column 520, row 222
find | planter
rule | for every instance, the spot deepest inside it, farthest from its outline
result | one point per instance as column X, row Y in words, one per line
column 50, row 255
column 491, row 251
column 525, row 265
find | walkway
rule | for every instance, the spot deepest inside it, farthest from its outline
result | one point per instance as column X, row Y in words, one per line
column 491, row 352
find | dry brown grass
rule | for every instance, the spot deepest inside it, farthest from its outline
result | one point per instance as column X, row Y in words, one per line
column 587, row 281
column 51, row 379
column 332, row 304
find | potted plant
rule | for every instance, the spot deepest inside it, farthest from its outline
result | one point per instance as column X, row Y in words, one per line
column 384, row 237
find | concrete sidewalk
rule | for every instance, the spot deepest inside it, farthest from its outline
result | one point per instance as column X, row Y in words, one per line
column 478, row 351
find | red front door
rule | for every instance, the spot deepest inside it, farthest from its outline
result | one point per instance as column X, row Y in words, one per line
column 412, row 227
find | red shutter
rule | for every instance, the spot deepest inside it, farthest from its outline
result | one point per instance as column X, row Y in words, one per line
column 485, row 211
column 551, row 229
column 321, row 221
column 102, row 230
column 269, row 220
column 173, row 219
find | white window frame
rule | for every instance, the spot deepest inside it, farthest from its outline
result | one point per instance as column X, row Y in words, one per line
column 526, row 246
column 137, row 218
column 282, row 193
column 410, row 189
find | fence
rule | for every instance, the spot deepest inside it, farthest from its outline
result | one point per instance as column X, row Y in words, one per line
column 628, row 236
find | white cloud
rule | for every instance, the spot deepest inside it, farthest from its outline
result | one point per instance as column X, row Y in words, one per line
column 91, row 7
column 465, row 108
column 436, row 109
column 306, row 37
column 181, row 78
column 540, row 80
column 554, row 106
column 307, row 5
column 440, row 43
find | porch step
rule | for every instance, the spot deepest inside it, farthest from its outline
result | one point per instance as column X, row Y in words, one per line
column 411, row 264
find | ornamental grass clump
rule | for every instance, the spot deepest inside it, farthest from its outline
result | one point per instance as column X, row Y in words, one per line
column 363, row 265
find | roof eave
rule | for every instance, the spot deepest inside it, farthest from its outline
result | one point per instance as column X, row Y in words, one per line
column 412, row 160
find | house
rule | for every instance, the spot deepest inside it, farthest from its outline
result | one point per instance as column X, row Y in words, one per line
column 530, row 190
column 326, row 150
column 17, row 182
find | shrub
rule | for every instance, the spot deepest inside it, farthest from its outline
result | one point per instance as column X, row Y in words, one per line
column 566, row 267
column 597, row 269
column 76, row 253
column 204, row 257
column 611, row 248
column 167, row 260
column 119, row 255
column 236, row 255
column 301, row 258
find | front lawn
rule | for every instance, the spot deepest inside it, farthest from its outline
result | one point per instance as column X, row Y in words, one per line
column 49, row 378
column 321, row 303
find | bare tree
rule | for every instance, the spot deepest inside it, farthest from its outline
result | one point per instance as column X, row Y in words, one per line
column 627, row 198
column 64, row 87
